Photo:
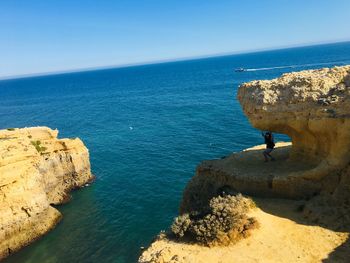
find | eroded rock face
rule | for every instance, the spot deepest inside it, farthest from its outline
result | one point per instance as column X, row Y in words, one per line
column 312, row 107
column 36, row 170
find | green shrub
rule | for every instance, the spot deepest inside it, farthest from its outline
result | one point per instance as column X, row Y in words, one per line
column 10, row 129
column 38, row 147
column 225, row 221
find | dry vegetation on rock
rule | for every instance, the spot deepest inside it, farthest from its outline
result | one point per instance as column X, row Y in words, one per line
column 312, row 107
column 223, row 222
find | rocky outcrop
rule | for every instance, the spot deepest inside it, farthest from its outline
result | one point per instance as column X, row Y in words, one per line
column 281, row 238
column 37, row 170
column 313, row 108
column 243, row 172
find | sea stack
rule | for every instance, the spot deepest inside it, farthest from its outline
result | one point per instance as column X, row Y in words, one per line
column 37, row 170
column 303, row 198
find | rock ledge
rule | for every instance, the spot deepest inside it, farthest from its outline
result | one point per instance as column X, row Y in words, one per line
column 313, row 108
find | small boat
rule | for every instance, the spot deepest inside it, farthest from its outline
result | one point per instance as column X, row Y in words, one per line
column 239, row 70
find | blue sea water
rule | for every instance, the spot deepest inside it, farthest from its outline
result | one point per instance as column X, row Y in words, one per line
column 147, row 127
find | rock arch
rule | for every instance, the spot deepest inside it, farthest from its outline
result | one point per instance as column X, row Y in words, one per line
column 312, row 107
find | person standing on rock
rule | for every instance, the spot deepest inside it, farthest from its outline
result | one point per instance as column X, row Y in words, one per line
column 269, row 145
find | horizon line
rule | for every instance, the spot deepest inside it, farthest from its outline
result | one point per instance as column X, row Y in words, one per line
column 169, row 60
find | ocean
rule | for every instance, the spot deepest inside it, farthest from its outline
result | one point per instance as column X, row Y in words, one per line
column 146, row 127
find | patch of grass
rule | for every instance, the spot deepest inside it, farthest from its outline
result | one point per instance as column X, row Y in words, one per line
column 10, row 129
column 30, row 136
column 38, row 147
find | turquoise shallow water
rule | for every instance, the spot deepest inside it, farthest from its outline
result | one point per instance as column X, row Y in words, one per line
column 147, row 127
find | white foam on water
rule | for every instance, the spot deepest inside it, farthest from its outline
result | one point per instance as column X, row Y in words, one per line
column 298, row 66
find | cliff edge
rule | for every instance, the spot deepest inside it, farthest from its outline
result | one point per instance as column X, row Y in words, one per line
column 37, row 170
column 313, row 172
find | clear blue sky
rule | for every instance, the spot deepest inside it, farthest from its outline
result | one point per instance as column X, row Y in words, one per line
column 45, row 36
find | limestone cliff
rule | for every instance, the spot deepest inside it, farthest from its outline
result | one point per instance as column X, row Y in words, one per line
column 36, row 170
column 313, row 108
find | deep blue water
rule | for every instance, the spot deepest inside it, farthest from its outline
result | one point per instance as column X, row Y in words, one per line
column 147, row 127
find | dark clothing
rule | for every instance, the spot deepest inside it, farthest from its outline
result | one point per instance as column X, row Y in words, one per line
column 269, row 145
column 269, row 141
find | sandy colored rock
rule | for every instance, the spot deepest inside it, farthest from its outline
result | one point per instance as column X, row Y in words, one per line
column 313, row 108
column 283, row 237
column 36, row 170
column 319, row 157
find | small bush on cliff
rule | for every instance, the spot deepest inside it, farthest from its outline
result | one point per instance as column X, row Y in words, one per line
column 225, row 221
column 181, row 225
column 10, row 129
column 38, row 147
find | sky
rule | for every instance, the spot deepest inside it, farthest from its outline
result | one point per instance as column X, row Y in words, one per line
column 63, row 35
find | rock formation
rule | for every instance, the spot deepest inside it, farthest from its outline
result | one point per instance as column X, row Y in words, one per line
column 313, row 108
column 37, row 170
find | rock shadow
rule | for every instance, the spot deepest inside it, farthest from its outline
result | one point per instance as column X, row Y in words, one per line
column 295, row 211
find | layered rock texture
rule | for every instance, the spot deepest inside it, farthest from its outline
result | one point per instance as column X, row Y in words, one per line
column 37, row 170
column 313, row 108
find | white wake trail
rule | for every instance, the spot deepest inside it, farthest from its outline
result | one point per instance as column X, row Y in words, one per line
column 297, row 66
